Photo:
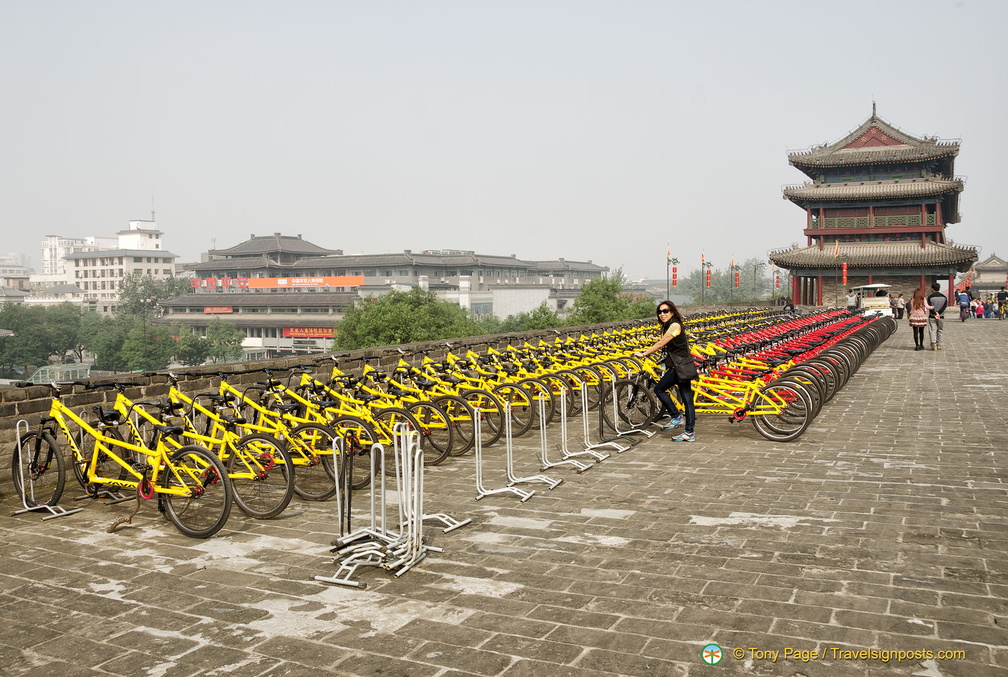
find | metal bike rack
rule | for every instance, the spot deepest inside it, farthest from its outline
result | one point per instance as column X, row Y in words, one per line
column 615, row 420
column 481, row 490
column 28, row 488
column 509, row 451
column 589, row 445
column 377, row 545
column 543, row 456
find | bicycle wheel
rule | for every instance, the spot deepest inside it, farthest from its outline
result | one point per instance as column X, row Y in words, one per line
column 386, row 421
column 203, row 505
column 523, row 413
column 539, row 392
column 358, row 439
column 460, row 415
column 785, row 413
column 561, row 391
column 311, row 447
column 592, row 379
column 103, row 464
column 43, row 467
column 262, row 475
column 636, row 403
column 491, row 414
column 435, row 429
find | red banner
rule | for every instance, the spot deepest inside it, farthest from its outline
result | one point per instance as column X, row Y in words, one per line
column 308, row 332
column 218, row 309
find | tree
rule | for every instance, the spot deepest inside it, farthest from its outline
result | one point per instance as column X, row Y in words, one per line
column 190, row 349
column 140, row 294
column 105, row 336
column 402, row 317
column 604, row 300
column 148, row 348
column 38, row 333
column 224, row 341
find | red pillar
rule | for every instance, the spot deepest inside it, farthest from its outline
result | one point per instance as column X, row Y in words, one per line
column 924, row 285
column 795, row 288
column 819, row 290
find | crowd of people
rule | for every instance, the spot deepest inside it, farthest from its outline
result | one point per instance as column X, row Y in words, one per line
column 929, row 311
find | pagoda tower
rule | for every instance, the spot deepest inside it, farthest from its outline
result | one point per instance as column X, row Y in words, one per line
column 877, row 200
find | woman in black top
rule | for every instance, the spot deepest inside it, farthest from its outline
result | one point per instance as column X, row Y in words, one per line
column 680, row 369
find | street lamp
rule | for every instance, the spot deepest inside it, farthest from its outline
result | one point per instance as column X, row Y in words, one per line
column 735, row 268
column 705, row 267
column 669, row 261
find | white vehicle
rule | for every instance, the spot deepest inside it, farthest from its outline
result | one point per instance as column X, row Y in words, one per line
column 874, row 299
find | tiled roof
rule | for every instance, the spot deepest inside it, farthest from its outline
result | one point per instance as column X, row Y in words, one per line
column 868, row 190
column 911, row 148
column 250, row 263
column 274, row 244
column 563, row 264
column 263, row 299
column 369, row 260
column 875, row 254
column 61, row 289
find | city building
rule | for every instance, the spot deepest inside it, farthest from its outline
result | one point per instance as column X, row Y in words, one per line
column 876, row 208
column 988, row 276
column 98, row 271
column 287, row 294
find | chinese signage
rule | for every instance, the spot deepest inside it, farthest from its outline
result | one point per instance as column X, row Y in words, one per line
column 217, row 309
column 276, row 282
column 308, row 332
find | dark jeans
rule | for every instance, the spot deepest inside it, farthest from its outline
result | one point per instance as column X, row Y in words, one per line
column 668, row 380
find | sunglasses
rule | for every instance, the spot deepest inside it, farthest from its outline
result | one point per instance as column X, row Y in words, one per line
column 664, row 311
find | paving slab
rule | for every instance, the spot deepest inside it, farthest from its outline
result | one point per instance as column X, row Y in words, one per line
column 883, row 529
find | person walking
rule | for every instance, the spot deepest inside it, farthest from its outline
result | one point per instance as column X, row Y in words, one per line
column 900, row 305
column 936, row 316
column 919, row 308
column 851, row 301
column 680, row 370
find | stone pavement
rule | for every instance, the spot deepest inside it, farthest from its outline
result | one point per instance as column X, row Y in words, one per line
column 883, row 528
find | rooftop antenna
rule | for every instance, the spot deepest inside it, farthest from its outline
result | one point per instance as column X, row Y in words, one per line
column 152, row 207
column 873, row 107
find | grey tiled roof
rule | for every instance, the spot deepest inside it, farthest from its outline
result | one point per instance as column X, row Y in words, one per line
column 272, row 244
column 868, row 190
column 293, row 299
column 874, row 254
column 912, row 149
column 563, row 264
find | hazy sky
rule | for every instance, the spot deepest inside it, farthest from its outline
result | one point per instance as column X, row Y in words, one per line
column 601, row 130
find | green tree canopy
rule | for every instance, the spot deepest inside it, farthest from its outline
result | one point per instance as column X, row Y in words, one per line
column 402, row 317
column 224, row 341
column 605, row 300
column 140, row 294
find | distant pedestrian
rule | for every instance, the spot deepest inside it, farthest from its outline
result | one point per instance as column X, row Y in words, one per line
column 851, row 300
column 936, row 316
column 963, row 299
column 919, row 308
column 900, row 305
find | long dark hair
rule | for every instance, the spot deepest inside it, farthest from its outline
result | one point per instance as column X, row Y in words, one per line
column 675, row 317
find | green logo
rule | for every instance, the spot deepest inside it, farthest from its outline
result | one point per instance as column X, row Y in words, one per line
column 712, row 654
